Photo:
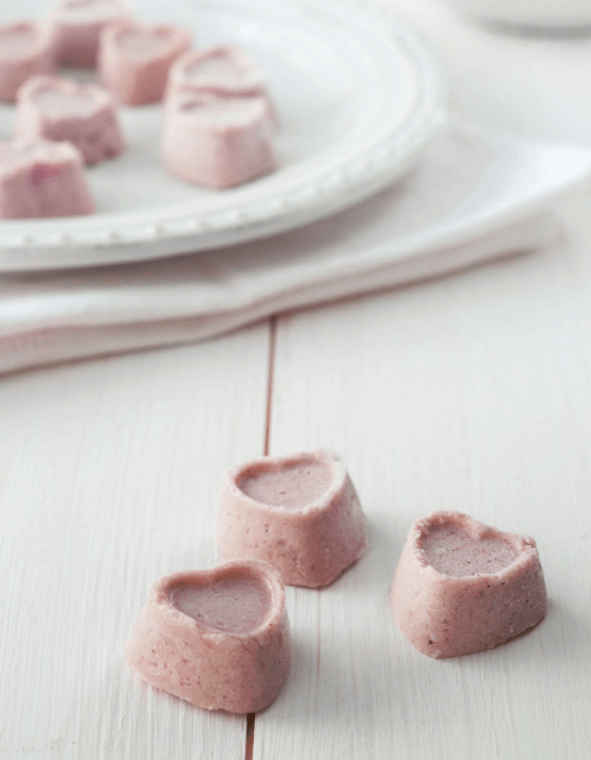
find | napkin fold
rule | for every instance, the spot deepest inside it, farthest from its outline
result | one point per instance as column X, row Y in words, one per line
column 474, row 196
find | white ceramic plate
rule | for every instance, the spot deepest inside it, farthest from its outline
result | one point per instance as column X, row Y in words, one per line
column 358, row 97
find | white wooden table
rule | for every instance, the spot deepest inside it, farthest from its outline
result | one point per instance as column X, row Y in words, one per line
column 469, row 393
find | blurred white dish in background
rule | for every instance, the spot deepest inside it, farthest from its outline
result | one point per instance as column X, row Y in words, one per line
column 358, row 97
column 475, row 196
column 565, row 14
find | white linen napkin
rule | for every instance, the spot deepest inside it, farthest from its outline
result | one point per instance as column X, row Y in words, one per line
column 474, row 196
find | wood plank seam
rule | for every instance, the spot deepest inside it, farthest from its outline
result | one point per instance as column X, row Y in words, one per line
column 251, row 717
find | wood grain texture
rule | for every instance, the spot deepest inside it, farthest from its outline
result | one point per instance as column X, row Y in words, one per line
column 110, row 476
column 468, row 394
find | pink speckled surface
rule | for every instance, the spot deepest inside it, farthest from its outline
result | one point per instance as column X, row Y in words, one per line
column 294, row 486
column 452, row 551
column 462, row 587
column 217, row 638
column 300, row 513
column 235, row 605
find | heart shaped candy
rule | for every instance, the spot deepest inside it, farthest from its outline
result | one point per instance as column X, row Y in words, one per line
column 26, row 49
column 298, row 483
column 217, row 638
column 236, row 604
column 60, row 109
column 299, row 513
column 39, row 178
column 77, row 24
column 216, row 141
column 463, row 587
column 134, row 60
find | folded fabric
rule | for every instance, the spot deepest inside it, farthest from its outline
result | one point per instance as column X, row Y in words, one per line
column 473, row 197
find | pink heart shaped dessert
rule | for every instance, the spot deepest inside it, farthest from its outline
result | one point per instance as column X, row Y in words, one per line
column 60, row 109
column 217, row 142
column 299, row 513
column 26, row 49
column 39, row 178
column 217, row 638
column 462, row 587
column 77, row 24
column 226, row 71
column 222, row 71
column 134, row 60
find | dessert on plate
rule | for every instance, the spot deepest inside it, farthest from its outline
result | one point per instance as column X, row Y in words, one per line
column 26, row 49
column 40, row 178
column 225, row 71
column 77, row 25
column 134, row 59
column 217, row 142
column 60, row 109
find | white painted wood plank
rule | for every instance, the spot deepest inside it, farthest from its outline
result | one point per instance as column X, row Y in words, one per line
column 471, row 394
column 109, row 478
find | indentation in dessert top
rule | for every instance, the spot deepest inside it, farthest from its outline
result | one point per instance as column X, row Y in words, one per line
column 17, row 40
column 91, row 10
column 27, row 151
column 143, row 43
column 224, row 70
column 452, row 551
column 58, row 103
column 233, row 605
column 293, row 486
column 222, row 112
